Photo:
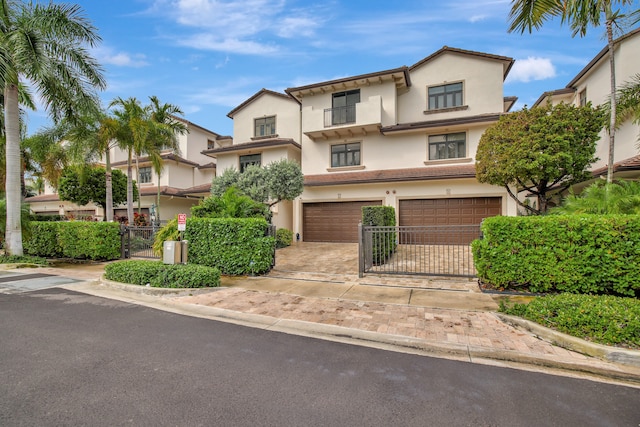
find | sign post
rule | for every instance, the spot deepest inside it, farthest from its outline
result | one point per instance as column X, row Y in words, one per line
column 182, row 224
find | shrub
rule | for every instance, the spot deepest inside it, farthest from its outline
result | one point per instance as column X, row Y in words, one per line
column 608, row 320
column 384, row 243
column 159, row 275
column 14, row 259
column 78, row 240
column 577, row 254
column 168, row 232
column 284, row 238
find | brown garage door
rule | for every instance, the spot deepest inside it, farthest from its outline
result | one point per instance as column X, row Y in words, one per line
column 467, row 211
column 333, row 221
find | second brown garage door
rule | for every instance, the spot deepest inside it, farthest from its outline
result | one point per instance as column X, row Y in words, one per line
column 464, row 211
column 333, row 221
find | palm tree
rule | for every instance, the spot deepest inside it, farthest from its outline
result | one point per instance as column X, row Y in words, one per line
column 580, row 15
column 131, row 132
column 45, row 45
column 619, row 197
column 166, row 129
column 628, row 100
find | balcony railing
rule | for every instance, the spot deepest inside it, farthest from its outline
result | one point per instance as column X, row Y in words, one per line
column 339, row 115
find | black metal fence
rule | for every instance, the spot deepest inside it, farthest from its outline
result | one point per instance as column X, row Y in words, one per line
column 419, row 250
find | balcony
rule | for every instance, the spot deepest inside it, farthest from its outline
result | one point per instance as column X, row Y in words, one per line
column 343, row 122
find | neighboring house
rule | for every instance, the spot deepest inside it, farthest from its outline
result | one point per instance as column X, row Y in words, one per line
column 593, row 84
column 266, row 128
column 185, row 179
column 405, row 137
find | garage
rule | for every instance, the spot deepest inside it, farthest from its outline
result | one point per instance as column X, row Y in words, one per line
column 333, row 221
column 447, row 214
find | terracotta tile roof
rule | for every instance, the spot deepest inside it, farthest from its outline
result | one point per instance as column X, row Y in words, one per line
column 480, row 118
column 268, row 143
column 210, row 165
column 562, row 91
column 165, row 190
column 630, row 164
column 198, row 189
column 508, row 62
column 392, row 175
column 42, row 198
column 258, row 94
column 166, row 156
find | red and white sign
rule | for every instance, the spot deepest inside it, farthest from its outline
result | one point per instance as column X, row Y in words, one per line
column 182, row 222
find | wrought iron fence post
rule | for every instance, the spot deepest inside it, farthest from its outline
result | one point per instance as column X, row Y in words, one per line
column 360, row 251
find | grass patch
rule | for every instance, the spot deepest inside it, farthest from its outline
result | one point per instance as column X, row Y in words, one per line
column 159, row 275
column 601, row 319
column 26, row 259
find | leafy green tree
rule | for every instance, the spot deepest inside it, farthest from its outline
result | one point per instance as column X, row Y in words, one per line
column 628, row 100
column 580, row 15
column 280, row 180
column 88, row 185
column 538, row 150
column 25, row 214
column 619, row 197
column 44, row 44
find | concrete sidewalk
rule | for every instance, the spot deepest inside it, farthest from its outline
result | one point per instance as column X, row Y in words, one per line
column 448, row 318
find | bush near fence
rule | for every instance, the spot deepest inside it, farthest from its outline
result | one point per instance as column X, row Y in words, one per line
column 236, row 246
column 594, row 254
column 75, row 239
column 384, row 244
column 159, row 275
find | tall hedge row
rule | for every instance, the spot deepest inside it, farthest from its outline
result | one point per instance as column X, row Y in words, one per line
column 384, row 243
column 236, row 246
column 595, row 254
column 75, row 239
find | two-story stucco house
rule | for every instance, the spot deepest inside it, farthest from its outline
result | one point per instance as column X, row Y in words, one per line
column 404, row 137
column 185, row 179
column 593, row 84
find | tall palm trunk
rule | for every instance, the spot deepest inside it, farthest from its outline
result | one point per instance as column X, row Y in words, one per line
column 109, row 188
column 129, row 190
column 138, row 182
column 612, row 122
column 13, row 233
column 158, row 201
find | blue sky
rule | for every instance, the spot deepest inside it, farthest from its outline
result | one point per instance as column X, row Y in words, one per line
column 208, row 56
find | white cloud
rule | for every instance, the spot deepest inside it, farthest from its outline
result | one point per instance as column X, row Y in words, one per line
column 206, row 41
column 107, row 55
column 477, row 18
column 532, row 68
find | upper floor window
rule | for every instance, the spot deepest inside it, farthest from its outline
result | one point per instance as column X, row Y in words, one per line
column 250, row 159
column 345, row 155
column 145, row 175
column 583, row 98
column 343, row 107
column 265, row 126
column 449, row 146
column 445, row 96
column 211, row 144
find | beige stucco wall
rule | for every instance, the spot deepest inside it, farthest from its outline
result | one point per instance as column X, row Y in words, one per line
column 482, row 87
column 286, row 111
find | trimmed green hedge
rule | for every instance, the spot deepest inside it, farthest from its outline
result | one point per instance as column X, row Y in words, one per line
column 236, row 246
column 159, row 275
column 588, row 254
column 284, row 237
column 74, row 239
column 384, row 244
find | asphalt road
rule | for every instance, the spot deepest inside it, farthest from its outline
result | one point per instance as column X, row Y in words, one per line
column 72, row 359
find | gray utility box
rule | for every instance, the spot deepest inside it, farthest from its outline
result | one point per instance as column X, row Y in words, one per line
column 171, row 252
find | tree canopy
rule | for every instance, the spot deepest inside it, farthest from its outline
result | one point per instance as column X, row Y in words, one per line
column 280, row 180
column 538, row 150
column 89, row 185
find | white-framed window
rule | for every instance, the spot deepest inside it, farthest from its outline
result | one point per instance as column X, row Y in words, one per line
column 145, row 175
column 345, row 155
column 448, row 146
column 445, row 96
column 265, row 126
column 583, row 97
column 250, row 159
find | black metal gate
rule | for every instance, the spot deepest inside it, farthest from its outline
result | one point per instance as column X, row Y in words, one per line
column 137, row 242
column 419, row 250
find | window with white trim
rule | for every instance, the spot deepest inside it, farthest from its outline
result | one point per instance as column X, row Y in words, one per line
column 448, row 146
column 445, row 96
column 583, row 98
column 345, row 155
